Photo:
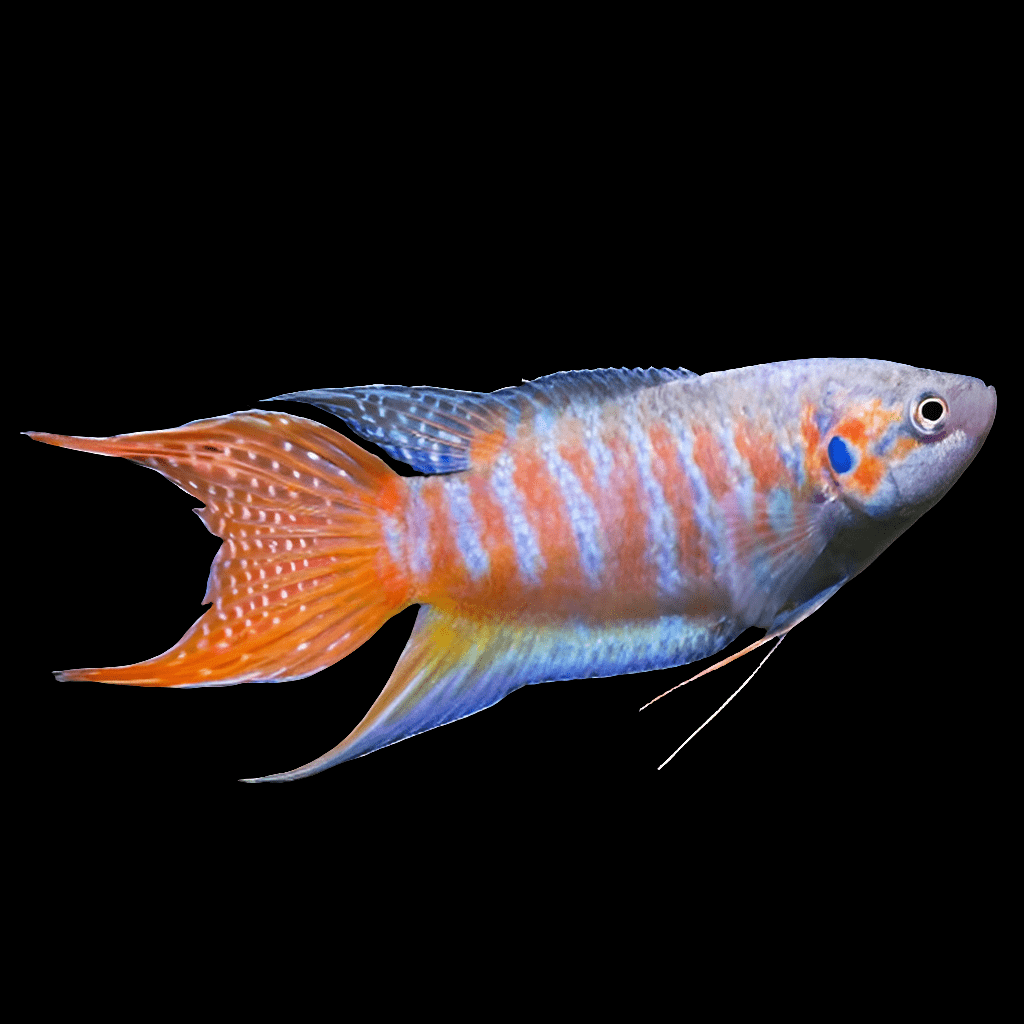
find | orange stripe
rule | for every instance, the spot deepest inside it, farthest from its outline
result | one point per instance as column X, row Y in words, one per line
column 392, row 575
column 624, row 520
column 762, row 456
column 710, row 460
column 693, row 559
column 575, row 453
column 813, row 464
column 502, row 584
column 759, row 451
column 448, row 575
column 544, row 507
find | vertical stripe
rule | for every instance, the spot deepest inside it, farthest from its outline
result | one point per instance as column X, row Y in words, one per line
column 418, row 524
column 567, row 465
column 704, row 509
column 810, row 450
column 621, row 509
column 503, row 582
column 667, row 464
column 545, row 509
column 529, row 559
column 394, row 538
column 466, row 527
column 779, row 510
column 594, row 427
column 760, row 452
column 710, row 460
column 661, row 552
column 450, row 575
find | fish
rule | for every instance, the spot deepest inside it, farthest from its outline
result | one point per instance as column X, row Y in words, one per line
column 585, row 524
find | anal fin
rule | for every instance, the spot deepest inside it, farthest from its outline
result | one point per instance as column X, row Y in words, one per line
column 455, row 664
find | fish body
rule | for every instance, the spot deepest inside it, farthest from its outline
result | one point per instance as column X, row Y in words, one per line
column 591, row 523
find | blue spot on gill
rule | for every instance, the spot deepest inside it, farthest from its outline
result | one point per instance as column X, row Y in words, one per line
column 839, row 455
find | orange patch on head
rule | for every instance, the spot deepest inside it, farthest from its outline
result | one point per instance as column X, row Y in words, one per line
column 809, row 428
column 813, row 453
column 865, row 425
column 880, row 417
column 852, row 429
column 868, row 473
column 868, row 422
column 902, row 448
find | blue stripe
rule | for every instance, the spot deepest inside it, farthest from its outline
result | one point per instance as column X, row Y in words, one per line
column 466, row 528
column 528, row 554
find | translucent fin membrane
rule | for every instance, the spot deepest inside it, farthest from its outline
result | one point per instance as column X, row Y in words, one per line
column 456, row 664
column 438, row 430
column 304, row 576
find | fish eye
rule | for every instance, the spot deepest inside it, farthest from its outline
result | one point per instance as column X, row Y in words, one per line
column 839, row 455
column 930, row 413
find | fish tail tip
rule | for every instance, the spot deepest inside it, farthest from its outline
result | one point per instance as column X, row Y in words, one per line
column 70, row 675
column 97, row 445
column 126, row 675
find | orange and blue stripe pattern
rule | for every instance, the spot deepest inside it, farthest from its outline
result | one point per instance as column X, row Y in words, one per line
column 586, row 524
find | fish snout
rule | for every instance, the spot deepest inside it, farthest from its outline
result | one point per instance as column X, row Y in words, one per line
column 972, row 409
column 937, row 463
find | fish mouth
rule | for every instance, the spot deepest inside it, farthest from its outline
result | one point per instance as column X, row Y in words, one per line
column 991, row 395
column 975, row 405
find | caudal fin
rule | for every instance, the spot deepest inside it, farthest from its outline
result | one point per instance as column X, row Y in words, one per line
column 305, row 574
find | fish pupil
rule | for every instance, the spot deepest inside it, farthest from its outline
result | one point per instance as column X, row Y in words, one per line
column 931, row 411
column 839, row 455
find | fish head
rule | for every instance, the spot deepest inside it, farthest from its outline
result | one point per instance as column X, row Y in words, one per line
column 896, row 440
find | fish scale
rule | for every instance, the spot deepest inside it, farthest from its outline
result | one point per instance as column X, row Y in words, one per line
column 545, row 454
column 588, row 523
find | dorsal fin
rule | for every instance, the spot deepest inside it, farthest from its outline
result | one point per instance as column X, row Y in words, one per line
column 438, row 430
column 586, row 387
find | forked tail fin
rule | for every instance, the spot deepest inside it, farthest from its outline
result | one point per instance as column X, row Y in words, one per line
column 310, row 566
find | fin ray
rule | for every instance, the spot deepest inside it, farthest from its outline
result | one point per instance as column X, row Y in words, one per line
column 455, row 665
column 439, row 430
column 303, row 576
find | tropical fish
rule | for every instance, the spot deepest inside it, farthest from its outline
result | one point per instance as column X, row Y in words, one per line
column 588, row 523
